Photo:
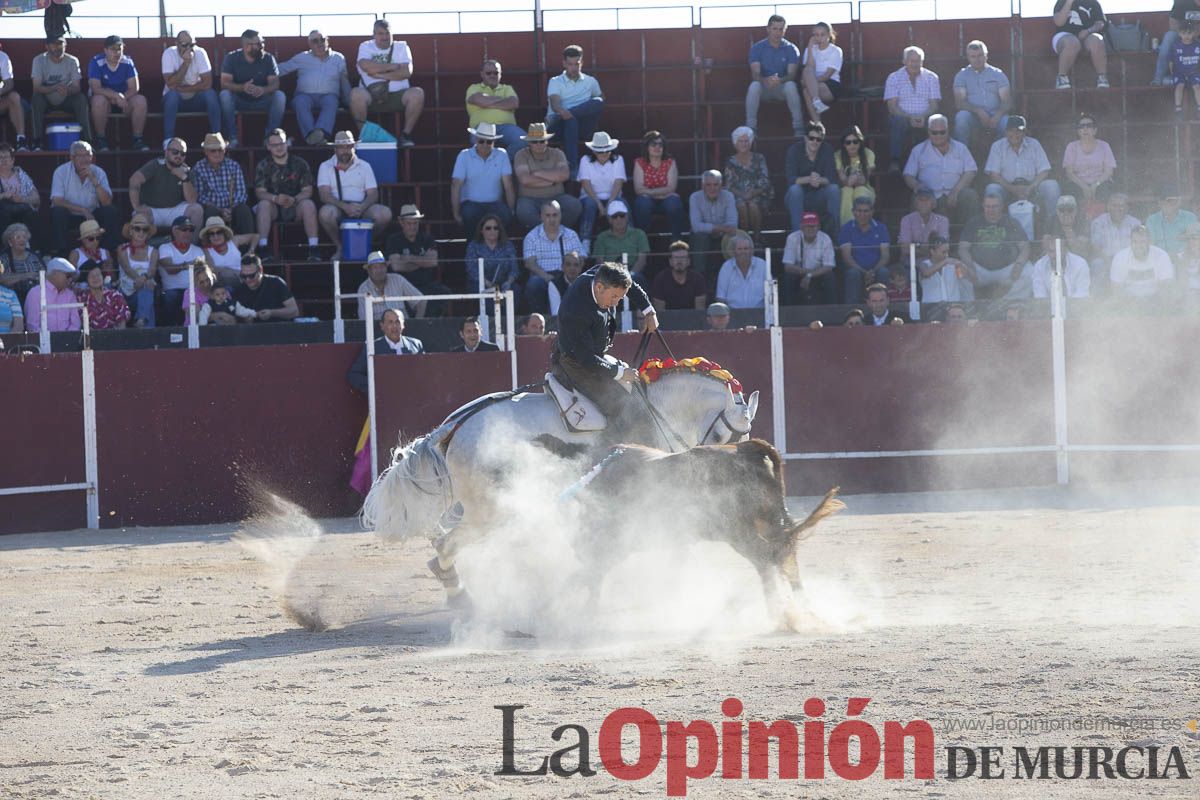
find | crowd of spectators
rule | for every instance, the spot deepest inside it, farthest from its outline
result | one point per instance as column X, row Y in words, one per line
column 1008, row 217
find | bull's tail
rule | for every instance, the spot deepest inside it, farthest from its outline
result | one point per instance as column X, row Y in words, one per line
column 410, row 497
column 828, row 506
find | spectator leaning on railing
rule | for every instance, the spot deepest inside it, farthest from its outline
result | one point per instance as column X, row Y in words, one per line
column 59, row 291
column 266, row 295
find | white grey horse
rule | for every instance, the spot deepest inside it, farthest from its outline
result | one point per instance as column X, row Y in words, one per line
column 447, row 485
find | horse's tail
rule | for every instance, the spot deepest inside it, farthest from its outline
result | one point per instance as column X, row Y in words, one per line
column 410, row 496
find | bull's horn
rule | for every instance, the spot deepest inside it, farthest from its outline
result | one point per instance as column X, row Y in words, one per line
column 828, row 506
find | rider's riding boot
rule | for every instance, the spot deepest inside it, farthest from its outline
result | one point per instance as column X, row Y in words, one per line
column 632, row 426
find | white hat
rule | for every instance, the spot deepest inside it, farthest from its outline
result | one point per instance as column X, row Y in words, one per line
column 485, row 131
column 617, row 207
column 602, row 143
column 60, row 265
column 376, row 257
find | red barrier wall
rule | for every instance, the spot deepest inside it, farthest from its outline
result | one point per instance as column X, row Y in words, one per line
column 42, row 434
column 198, row 436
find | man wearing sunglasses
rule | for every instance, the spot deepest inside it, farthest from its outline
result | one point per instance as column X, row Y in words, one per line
column 266, row 295
column 188, row 83
column 162, row 189
column 321, row 81
column 250, row 82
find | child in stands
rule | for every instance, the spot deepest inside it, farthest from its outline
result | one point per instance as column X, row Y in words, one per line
column 1185, row 66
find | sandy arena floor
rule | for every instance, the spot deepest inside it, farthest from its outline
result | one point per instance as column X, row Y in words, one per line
column 156, row 663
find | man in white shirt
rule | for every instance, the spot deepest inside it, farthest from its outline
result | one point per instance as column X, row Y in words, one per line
column 12, row 103
column 808, row 263
column 1142, row 270
column 740, row 283
column 1077, row 277
column 188, row 84
column 347, row 187
column 385, row 67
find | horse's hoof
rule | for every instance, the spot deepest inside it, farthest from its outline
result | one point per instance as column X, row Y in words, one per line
column 460, row 602
column 448, row 577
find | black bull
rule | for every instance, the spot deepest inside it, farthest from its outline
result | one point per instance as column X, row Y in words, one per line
column 730, row 493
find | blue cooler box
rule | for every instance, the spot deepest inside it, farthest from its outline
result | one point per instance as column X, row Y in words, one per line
column 61, row 137
column 356, row 239
column 382, row 156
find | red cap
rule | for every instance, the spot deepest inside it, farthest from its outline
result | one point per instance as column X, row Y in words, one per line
column 810, row 218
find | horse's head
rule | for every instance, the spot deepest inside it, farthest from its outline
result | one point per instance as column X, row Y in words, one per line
column 702, row 399
column 732, row 423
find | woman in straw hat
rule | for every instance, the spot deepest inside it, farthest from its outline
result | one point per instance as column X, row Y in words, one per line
column 138, row 264
column 221, row 254
column 89, row 249
column 601, row 177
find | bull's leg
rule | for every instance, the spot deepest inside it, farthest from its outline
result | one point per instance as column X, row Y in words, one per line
column 780, row 596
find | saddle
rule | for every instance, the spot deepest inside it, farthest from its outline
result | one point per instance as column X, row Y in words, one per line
column 579, row 414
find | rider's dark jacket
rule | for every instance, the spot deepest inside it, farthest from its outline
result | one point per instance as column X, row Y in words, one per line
column 585, row 331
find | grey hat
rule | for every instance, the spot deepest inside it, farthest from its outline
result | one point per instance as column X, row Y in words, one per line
column 924, row 191
column 718, row 310
column 60, row 265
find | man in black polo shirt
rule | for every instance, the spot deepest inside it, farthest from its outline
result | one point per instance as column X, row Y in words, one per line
column 266, row 295
column 680, row 286
column 413, row 254
column 250, row 82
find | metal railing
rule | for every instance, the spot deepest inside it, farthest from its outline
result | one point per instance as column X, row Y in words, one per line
column 519, row 18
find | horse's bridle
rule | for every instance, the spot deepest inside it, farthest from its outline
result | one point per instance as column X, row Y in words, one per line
column 723, row 419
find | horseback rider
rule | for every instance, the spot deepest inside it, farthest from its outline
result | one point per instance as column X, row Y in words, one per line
column 587, row 321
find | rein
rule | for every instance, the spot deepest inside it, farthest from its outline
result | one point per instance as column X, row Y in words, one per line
column 664, row 428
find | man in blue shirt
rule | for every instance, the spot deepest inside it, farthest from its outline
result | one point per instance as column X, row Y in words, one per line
column 113, row 80
column 576, row 103
column 864, row 244
column 321, row 83
column 774, row 62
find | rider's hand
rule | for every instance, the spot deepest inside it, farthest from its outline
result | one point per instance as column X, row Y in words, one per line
column 628, row 375
column 650, row 323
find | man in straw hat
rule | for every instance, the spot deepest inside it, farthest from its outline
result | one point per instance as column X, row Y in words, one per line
column 576, row 103
column 380, row 283
column 413, row 253
column 162, row 188
column 481, row 182
column 348, row 190
column 221, row 189
column 541, row 171
column 494, row 102
column 284, row 186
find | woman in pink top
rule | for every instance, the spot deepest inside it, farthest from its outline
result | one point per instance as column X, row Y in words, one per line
column 204, row 278
column 655, row 177
column 1089, row 163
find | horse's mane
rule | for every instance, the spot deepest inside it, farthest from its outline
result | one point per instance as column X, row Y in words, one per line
column 654, row 369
